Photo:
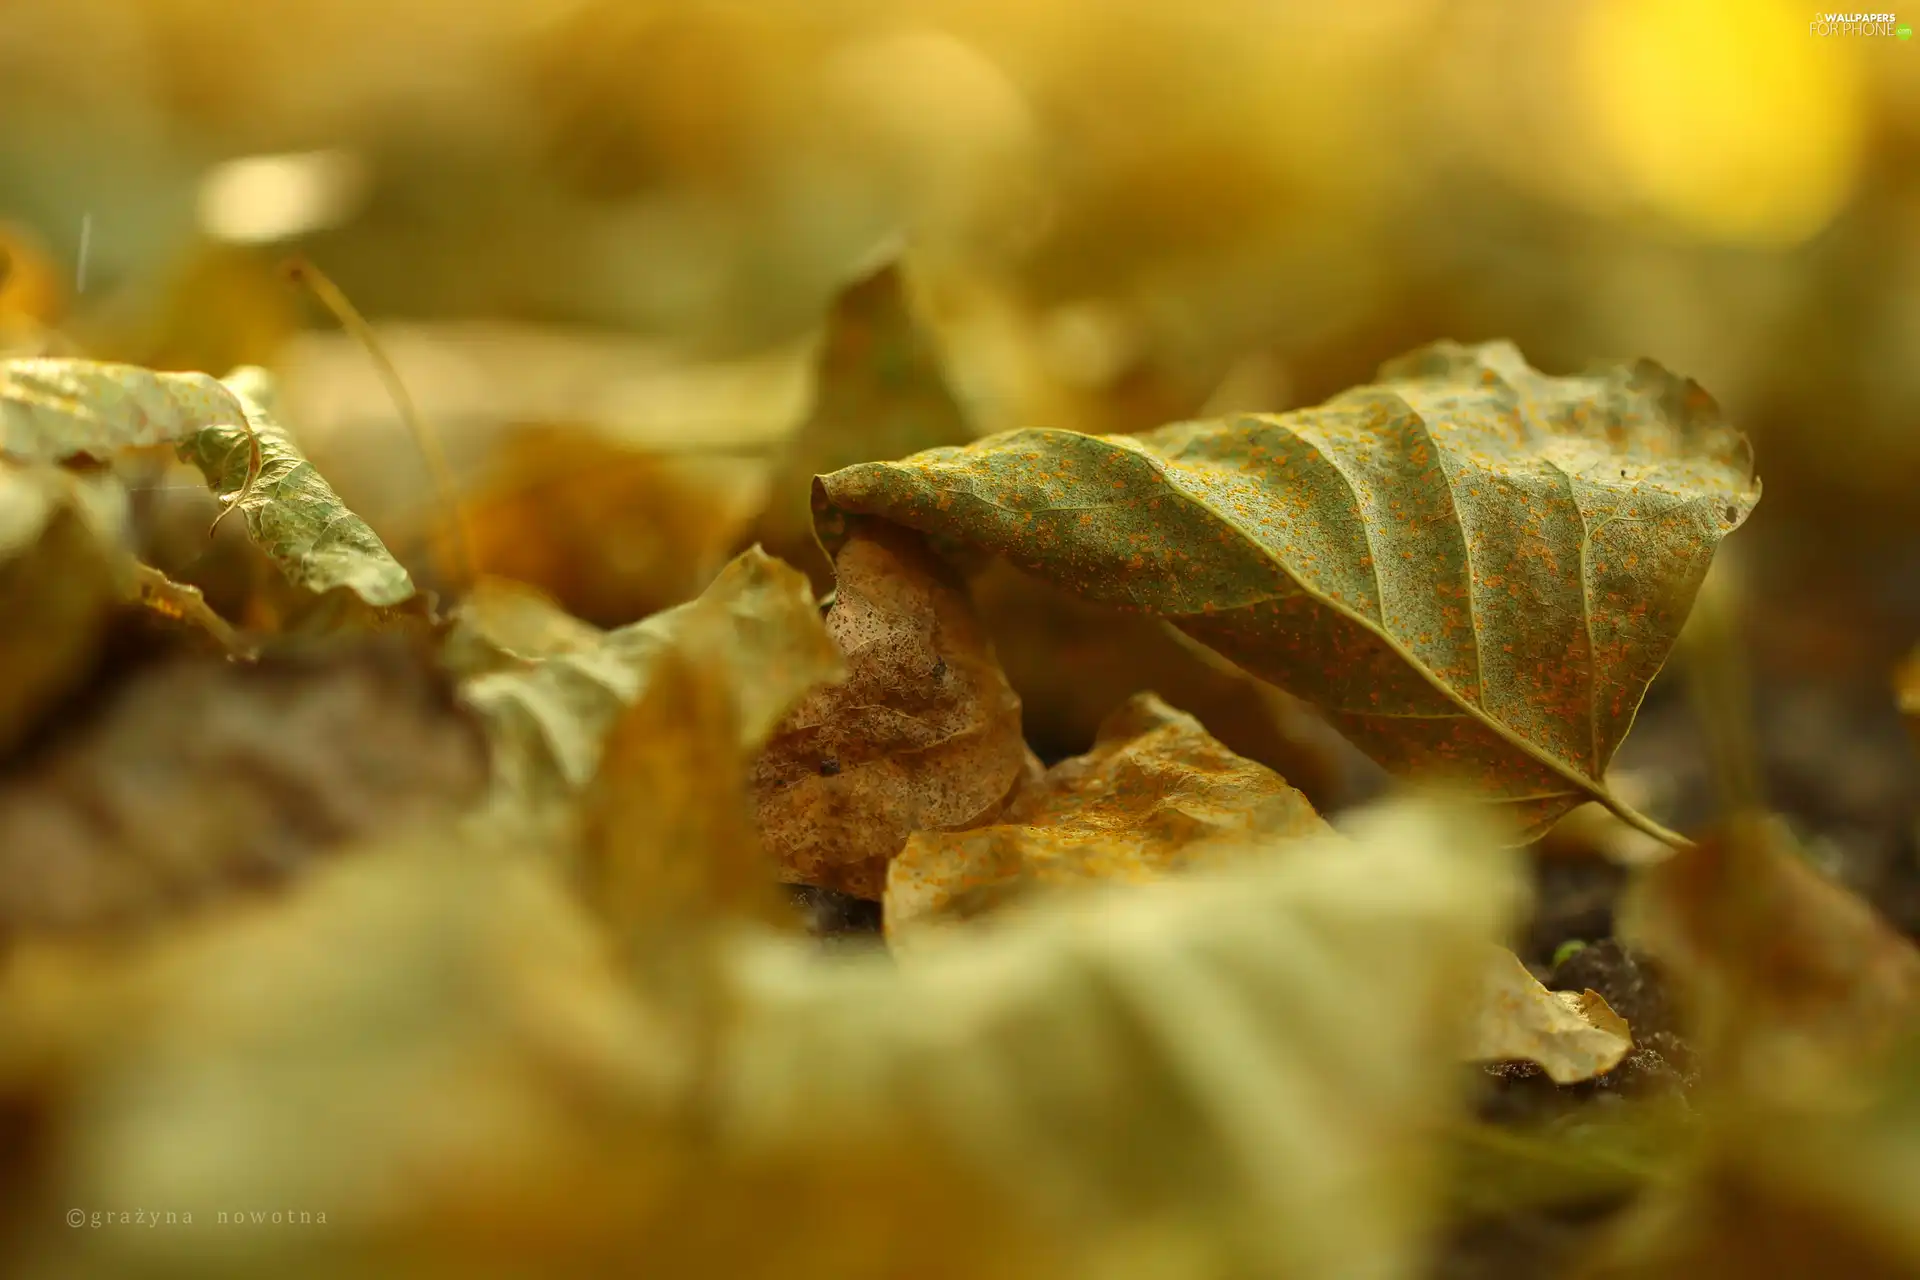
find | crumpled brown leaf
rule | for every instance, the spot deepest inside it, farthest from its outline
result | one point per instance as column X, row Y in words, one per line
column 197, row 777
column 64, row 567
column 924, row 735
column 1156, row 795
column 1573, row 1036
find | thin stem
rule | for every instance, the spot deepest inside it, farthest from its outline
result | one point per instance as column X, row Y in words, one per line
column 335, row 301
column 1639, row 821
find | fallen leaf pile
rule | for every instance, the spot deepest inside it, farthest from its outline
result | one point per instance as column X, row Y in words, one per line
column 458, row 929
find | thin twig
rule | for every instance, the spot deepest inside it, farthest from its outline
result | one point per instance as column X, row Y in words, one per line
column 303, row 272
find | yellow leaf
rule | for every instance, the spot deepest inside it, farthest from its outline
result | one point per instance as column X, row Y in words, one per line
column 1573, row 1036
column 548, row 717
column 1157, row 794
column 65, row 563
column 667, row 842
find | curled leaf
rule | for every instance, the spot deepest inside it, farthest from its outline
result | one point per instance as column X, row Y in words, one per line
column 1472, row 568
column 51, row 410
column 1157, row 794
column 1574, row 1036
column 924, row 735
column 178, row 602
column 549, row 717
column 290, row 510
column 55, row 409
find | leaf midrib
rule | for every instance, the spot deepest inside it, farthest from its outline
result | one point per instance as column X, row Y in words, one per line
column 1590, row 786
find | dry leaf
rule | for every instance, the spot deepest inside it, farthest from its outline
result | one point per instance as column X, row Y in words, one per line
column 64, row 566
column 425, row 1031
column 1906, row 687
column 290, row 511
column 51, row 410
column 924, row 735
column 1156, row 795
column 1472, row 568
column 549, row 717
column 612, row 533
column 1792, row 970
column 1807, row 1007
column 430, row 1054
column 177, row 602
column 1574, row 1036
column 1245, row 1068
column 500, row 625
column 198, row 777
column 667, row 841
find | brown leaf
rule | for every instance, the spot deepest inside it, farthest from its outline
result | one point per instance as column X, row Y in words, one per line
column 1240, row 1072
column 1157, row 794
column 1791, row 970
column 1574, row 1036
column 1807, row 1012
column 924, row 735
column 198, row 776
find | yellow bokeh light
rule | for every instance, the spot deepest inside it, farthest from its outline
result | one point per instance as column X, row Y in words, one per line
column 1729, row 117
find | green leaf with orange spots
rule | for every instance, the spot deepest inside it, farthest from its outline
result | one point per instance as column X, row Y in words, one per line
column 1473, row 569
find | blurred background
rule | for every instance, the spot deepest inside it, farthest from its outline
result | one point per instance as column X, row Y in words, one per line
column 601, row 239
